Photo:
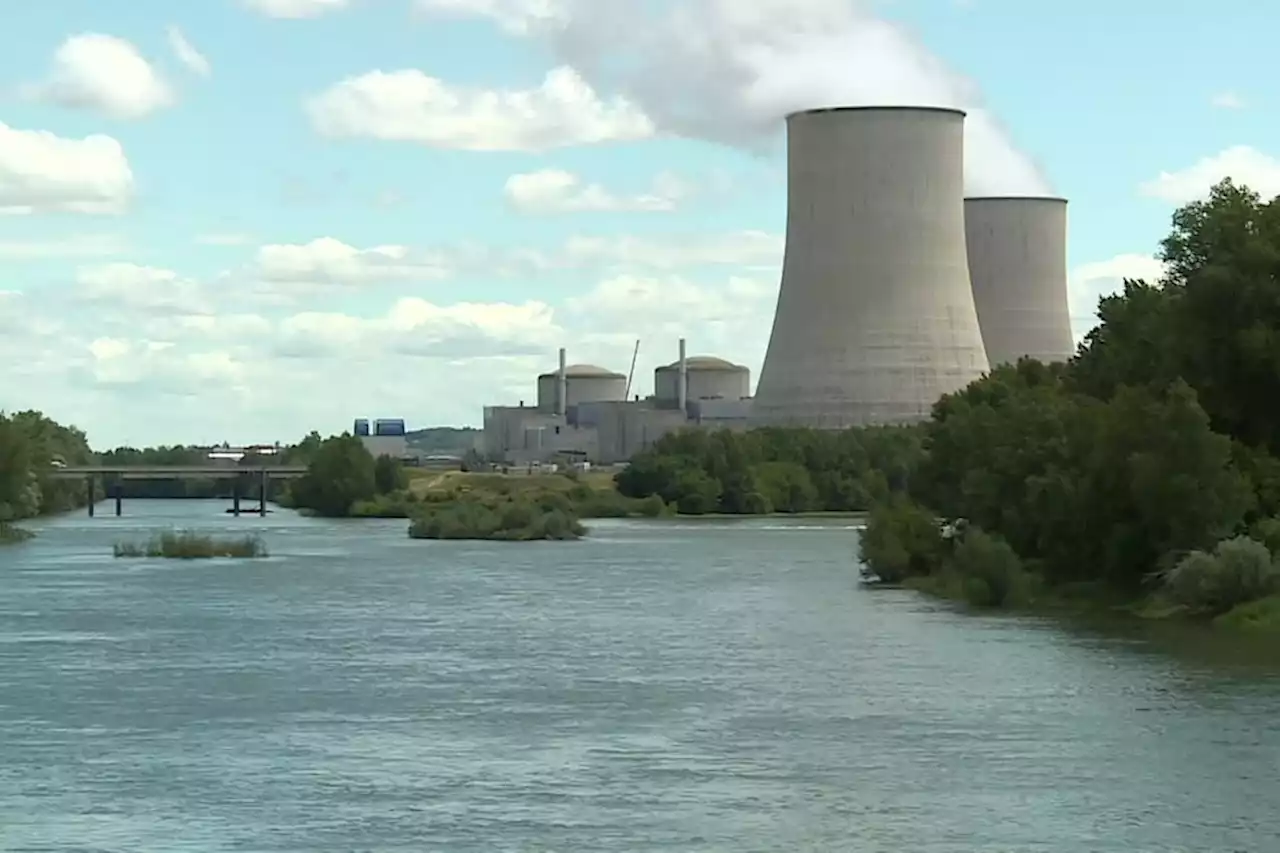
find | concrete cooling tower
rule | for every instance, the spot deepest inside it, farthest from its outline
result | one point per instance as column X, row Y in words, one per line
column 1018, row 263
column 875, row 317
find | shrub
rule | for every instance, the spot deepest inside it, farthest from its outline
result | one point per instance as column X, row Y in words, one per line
column 188, row 545
column 11, row 534
column 901, row 540
column 510, row 520
column 1238, row 570
column 1267, row 531
column 992, row 572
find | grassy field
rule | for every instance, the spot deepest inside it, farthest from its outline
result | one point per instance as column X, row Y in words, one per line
column 423, row 483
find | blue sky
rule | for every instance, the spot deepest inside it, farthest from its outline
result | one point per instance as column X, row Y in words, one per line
column 309, row 217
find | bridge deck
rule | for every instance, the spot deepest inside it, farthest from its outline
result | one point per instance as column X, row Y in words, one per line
column 154, row 472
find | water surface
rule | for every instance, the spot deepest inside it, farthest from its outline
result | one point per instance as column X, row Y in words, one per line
column 693, row 686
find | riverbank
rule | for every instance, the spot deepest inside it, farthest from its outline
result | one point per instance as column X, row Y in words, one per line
column 1257, row 617
column 11, row 534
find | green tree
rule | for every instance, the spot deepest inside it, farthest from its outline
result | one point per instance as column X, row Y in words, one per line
column 389, row 475
column 340, row 472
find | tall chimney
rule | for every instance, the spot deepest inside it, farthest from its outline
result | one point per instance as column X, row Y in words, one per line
column 682, row 390
column 562, row 387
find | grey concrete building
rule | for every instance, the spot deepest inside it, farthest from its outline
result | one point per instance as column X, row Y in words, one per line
column 1018, row 264
column 875, row 318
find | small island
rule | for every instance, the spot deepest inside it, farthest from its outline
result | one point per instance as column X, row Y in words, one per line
column 190, row 545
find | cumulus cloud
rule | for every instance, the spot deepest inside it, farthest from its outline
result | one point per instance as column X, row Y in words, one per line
column 558, row 191
column 296, row 9
column 1090, row 282
column 142, row 288
column 728, row 71
column 81, row 245
column 330, row 261
column 410, row 106
column 1243, row 164
column 42, row 172
column 187, row 54
column 105, row 74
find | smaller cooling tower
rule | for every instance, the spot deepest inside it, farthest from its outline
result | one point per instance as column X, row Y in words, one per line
column 1018, row 265
column 875, row 317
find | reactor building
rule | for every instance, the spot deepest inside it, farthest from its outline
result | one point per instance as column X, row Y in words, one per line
column 1018, row 265
column 875, row 318
column 583, row 413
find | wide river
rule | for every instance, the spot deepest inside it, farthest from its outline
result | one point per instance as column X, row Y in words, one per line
column 691, row 686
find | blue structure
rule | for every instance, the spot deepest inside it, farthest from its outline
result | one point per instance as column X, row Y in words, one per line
column 389, row 426
column 361, row 427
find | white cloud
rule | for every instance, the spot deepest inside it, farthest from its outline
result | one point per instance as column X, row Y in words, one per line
column 1228, row 101
column 729, row 71
column 187, row 53
column 409, row 106
column 296, row 9
column 558, row 191
column 330, row 261
column 1090, row 282
column 41, row 172
column 1243, row 164
column 105, row 74
column 757, row 250
column 146, row 289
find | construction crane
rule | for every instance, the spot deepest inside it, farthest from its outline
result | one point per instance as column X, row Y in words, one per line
column 632, row 372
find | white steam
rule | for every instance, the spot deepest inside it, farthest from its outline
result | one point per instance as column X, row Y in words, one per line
column 729, row 70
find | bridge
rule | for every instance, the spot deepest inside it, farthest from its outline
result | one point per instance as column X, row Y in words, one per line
column 115, row 473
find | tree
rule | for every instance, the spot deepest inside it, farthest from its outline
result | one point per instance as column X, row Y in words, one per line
column 340, row 472
column 389, row 475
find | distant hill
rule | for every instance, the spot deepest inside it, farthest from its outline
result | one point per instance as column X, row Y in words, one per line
column 443, row 439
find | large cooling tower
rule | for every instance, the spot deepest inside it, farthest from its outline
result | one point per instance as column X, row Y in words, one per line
column 1018, row 264
column 875, row 318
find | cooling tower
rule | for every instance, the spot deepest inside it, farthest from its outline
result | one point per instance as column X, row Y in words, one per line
column 875, row 317
column 1018, row 264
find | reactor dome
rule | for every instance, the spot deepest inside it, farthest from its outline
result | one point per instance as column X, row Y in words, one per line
column 710, row 378
column 585, row 383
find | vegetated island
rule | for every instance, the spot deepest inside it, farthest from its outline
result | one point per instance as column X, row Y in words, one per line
column 190, row 545
column 1144, row 474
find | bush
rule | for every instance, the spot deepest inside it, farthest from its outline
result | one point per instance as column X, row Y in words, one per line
column 901, row 540
column 992, row 573
column 1238, row 571
column 188, row 545
column 393, row 505
column 508, row 520
column 1267, row 531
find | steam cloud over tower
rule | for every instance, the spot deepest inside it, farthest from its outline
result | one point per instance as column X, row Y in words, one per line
column 1018, row 263
column 875, row 317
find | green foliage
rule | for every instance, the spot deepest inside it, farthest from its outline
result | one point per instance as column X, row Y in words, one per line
column 1260, row 616
column 1237, row 571
column 189, row 545
column 389, row 475
column 504, row 519
column 901, row 540
column 340, row 472
column 991, row 572
column 30, row 445
column 773, row 470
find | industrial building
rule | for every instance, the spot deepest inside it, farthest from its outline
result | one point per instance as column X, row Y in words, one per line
column 386, row 438
column 1018, row 264
column 875, row 317
column 586, row 413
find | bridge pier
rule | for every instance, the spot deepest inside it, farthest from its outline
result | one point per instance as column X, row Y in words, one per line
column 119, row 487
column 90, row 491
column 262, row 493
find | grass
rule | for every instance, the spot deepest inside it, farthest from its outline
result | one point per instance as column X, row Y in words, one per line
column 11, row 534
column 1261, row 616
column 189, row 545
column 503, row 520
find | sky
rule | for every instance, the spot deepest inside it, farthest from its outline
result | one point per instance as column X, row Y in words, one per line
column 242, row 220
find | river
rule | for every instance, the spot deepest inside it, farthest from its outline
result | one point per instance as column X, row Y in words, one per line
column 691, row 686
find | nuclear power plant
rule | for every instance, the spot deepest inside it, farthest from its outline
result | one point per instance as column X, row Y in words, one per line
column 895, row 290
column 875, row 317
column 1018, row 264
